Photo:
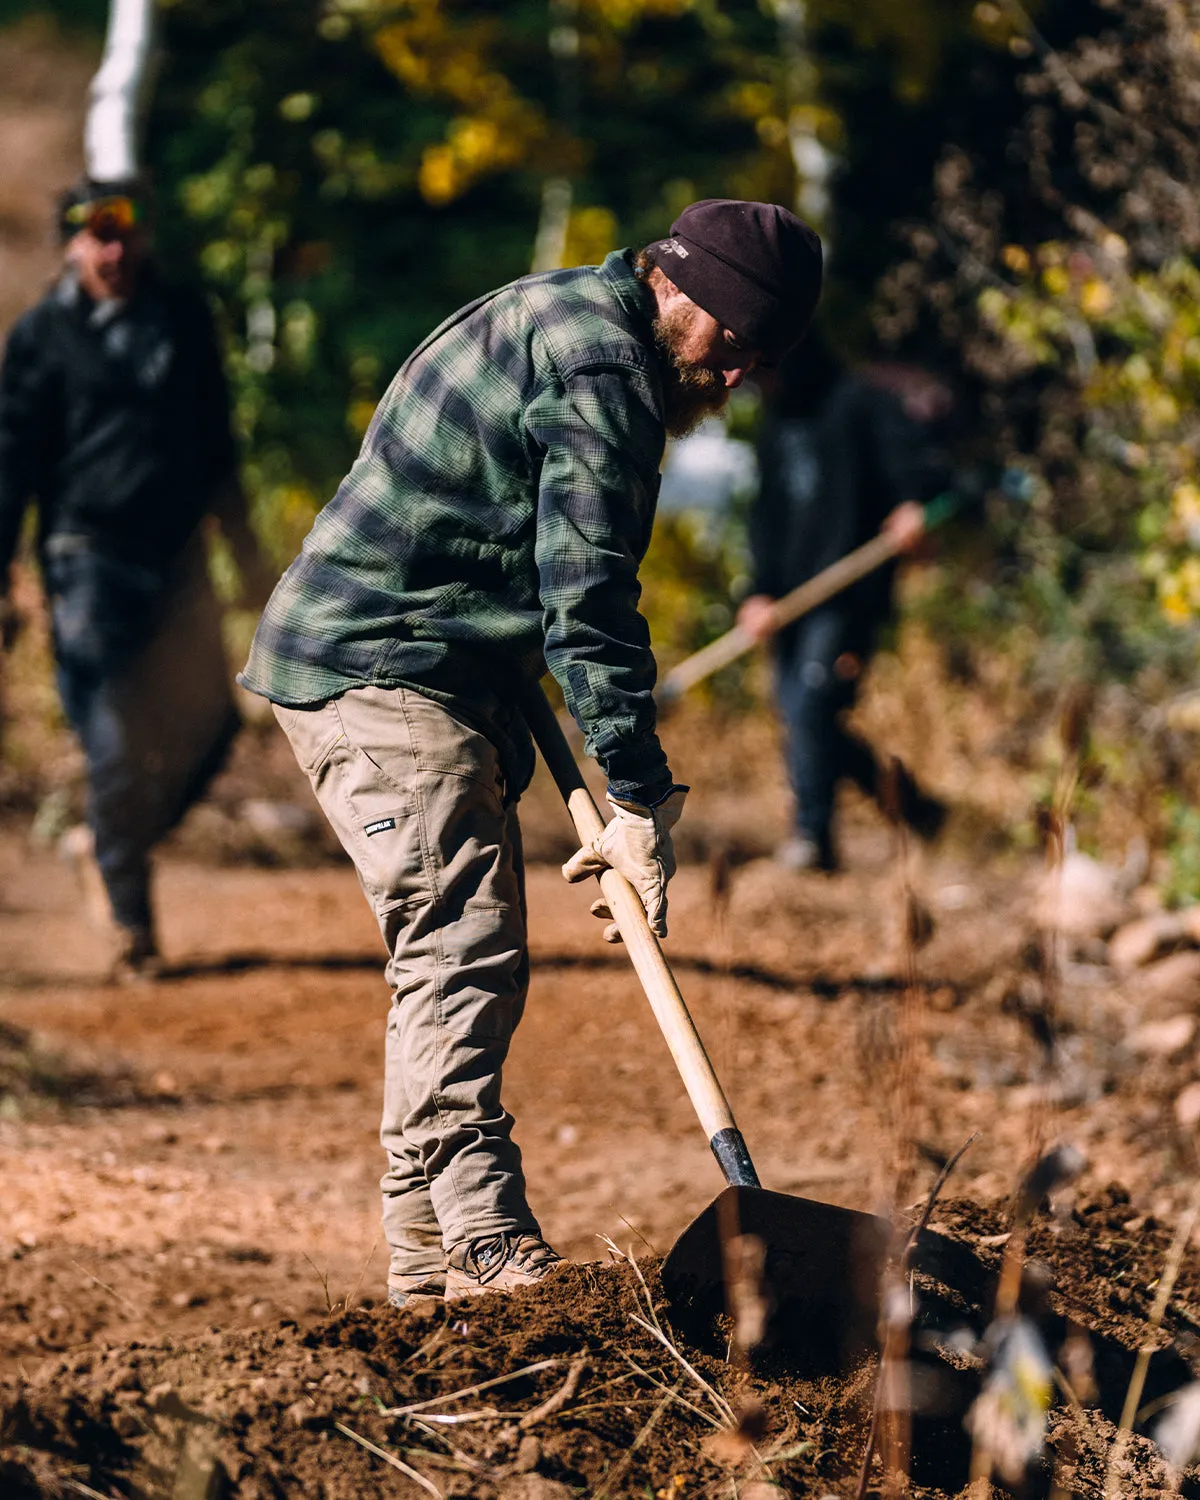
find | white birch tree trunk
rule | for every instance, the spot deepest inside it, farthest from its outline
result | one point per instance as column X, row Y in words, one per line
column 118, row 93
column 813, row 162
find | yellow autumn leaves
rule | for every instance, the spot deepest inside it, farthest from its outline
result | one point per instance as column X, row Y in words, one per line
column 1132, row 343
column 452, row 59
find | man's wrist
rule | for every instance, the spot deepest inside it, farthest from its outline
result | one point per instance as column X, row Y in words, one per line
column 638, row 798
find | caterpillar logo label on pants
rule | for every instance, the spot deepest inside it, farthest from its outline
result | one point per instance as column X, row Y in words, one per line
column 381, row 825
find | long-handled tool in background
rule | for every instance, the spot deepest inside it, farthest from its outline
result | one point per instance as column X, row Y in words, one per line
column 822, row 1262
column 800, row 601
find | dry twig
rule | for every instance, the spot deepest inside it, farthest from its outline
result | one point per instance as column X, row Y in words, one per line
column 618, row 1254
column 719, row 1401
column 890, row 1415
column 390, row 1458
column 104, row 1287
column 555, row 1403
column 935, row 1193
column 485, row 1414
column 864, row 1473
column 628, row 1223
column 469, row 1390
column 83, row 1489
column 323, row 1278
column 348, row 1299
column 683, row 1401
column 627, row 1457
column 1137, row 1380
column 464, row 1459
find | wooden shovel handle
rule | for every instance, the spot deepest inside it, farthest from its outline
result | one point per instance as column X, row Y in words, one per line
column 808, row 596
column 687, row 1050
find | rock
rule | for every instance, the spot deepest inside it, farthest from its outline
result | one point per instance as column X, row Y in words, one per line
column 535, row 1487
column 1187, row 1106
column 299, row 1414
column 1175, row 978
column 1146, row 900
column 272, row 819
column 950, row 898
column 184, row 1298
column 529, row 1455
column 1163, row 1038
column 1084, row 899
column 1147, row 938
column 127, row 1424
column 760, row 1489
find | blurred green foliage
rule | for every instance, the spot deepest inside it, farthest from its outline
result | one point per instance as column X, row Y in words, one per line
column 342, row 174
column 348, row 173
column 1182, row 843
column 1056, row 277
column 1132, row 341
column 348, row 176
column 345, row 173
column 87, row 17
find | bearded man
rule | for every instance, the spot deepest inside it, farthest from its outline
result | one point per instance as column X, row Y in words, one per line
column 493, row 526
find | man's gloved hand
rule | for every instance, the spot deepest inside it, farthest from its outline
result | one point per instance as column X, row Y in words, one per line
column 905, row 525
column 637, row 844
column 756, row 616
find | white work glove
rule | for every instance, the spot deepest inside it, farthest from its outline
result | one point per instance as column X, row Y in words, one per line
column 637, row 844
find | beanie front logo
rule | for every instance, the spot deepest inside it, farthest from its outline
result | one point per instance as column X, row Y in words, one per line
column 677, row 249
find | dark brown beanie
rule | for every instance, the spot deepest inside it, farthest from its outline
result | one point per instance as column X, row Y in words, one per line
column 755, row 267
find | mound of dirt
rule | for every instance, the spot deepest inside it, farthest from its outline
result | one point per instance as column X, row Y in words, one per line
column 582, row 1386
column 33, row 1073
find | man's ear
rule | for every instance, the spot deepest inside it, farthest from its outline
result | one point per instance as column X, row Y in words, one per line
column 664, row 289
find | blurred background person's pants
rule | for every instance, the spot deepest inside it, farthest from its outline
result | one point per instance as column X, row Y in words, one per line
column 819, row 665
column 144, row 684
column 813, row 697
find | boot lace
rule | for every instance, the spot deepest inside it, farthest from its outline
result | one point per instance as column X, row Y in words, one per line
column 486, row 1258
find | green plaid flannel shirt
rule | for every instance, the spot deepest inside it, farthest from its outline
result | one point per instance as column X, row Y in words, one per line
column 493, row 525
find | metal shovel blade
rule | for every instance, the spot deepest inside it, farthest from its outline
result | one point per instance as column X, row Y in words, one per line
column 821, row 1272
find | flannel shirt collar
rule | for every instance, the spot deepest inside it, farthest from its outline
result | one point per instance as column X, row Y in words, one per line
column 634, row 295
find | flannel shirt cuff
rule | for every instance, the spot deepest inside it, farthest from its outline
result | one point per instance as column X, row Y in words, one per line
column 645, row 794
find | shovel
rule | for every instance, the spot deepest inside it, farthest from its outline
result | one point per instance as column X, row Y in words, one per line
column 801, row 601
column 822, row 1263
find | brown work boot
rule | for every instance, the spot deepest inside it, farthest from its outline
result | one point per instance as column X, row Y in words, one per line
column 498, row 1263
column 418, row 1291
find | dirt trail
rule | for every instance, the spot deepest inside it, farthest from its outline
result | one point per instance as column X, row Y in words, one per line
column 196, row 1157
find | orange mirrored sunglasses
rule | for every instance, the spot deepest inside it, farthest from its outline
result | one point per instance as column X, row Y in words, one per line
column 106, row 218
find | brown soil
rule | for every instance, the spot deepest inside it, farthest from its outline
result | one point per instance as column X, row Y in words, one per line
column 189, row 1170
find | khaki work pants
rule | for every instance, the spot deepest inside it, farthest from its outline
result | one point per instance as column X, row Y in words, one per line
column 414, row 795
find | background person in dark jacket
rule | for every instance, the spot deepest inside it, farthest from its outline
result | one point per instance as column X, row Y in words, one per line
column 839, row 462
column 114, row 418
